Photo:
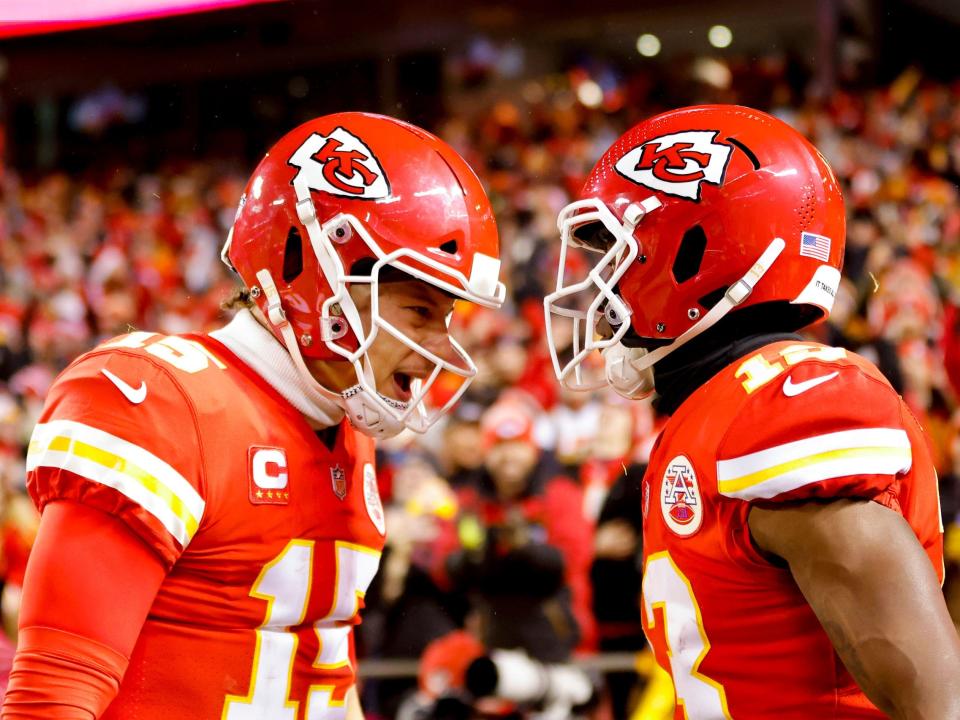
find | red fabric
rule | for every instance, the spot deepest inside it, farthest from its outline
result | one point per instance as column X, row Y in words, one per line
column 705, row 581
column 506, row 421
column 767, row 418
column 538, row 379
column 951, row 345
column 82, row 394
column 199, row 646
column 16, row 550
column 57, row 675
column 78, row 591
column 444, row 663
column 7, row 649
column 75, row 637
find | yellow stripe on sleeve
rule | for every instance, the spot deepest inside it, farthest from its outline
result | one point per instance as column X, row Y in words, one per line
column 741, row 483
column 786, row 467
column 128, row 468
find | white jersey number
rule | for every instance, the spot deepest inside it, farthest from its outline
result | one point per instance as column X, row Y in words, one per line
column 285, row 583
column 666, row 587
column 186, row 355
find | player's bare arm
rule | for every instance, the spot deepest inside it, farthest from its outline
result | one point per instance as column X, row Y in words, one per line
column 873, row 588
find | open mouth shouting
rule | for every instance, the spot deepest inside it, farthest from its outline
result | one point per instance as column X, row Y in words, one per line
column 401, row 389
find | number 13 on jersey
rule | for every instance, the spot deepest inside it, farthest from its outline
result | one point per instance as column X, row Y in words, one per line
column 285, row 583
column 667, row 588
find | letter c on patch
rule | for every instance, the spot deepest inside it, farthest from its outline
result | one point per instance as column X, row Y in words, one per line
column 269, row 467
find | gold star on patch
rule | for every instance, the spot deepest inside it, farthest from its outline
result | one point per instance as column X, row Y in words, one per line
column 270, row 494
column 259, row 494
column 286, row 496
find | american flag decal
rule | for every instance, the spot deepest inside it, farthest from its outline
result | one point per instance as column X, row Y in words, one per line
column 815, row 246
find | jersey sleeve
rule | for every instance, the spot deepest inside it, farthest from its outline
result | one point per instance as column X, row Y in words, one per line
column 821, row 430
column 118, row 434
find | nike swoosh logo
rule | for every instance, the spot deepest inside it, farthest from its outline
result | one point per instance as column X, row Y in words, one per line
column 792, row 389
column 136, row 396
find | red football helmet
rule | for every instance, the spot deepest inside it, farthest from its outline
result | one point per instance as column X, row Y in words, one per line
column 332, row 204
column 692, row 214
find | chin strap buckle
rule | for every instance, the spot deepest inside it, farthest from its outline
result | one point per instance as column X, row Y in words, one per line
column 275, row 312
column 741, row 289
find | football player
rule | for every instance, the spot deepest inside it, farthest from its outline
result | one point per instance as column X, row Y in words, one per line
column 211, row 518
column 792, row 538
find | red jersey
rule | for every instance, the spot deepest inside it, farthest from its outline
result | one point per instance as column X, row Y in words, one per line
column 270, row 537
column 791, row 421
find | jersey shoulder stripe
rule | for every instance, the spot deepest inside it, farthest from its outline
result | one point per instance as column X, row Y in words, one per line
column 126, row 467
column 786, row 467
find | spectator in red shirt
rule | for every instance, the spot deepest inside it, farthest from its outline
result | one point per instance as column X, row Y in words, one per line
column 524, row 546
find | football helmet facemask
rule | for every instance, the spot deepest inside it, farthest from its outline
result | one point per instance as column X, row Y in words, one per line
column 335, row 203
column 688, row 216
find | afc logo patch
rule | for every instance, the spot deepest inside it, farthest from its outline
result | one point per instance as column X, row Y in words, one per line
column 340, row 164
column 269, row 481
column 677, row 164
column 680, row 499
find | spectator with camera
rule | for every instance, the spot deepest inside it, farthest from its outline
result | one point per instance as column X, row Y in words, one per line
column 523, row 545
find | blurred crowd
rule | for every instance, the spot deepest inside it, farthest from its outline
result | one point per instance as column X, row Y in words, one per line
column 518, row 518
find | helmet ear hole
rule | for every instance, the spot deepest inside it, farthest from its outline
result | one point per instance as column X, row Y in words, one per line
column 292, row 256
column 687, row 262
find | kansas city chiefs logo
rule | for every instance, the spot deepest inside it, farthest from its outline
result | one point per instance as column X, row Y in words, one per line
column 676, row 164
column 341, row 164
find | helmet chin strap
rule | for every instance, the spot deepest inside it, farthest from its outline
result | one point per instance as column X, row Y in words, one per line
column 630, row 370
column 362, row 410
column 623, row 375
column 366, row 414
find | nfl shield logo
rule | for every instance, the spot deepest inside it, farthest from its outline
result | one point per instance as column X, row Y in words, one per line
column 338, row 478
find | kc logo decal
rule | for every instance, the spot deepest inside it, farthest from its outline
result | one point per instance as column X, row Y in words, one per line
column 677, row 164
column 341, row 164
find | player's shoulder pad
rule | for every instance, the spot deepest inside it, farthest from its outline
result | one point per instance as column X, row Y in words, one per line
column 117, row 418
column 119, row 375
column 812, row 414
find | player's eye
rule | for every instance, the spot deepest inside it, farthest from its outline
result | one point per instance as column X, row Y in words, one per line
column 420, row 310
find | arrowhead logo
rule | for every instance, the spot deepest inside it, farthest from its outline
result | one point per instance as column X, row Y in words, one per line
column 341, row 164
column 677, row 164
column 136, row 396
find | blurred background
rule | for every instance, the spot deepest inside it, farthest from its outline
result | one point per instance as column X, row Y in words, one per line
column 126, row 138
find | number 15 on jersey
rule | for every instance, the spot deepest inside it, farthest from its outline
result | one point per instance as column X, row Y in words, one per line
column 285, row 583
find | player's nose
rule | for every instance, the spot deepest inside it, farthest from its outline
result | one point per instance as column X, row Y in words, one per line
column 441, row 345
